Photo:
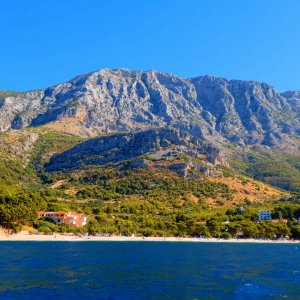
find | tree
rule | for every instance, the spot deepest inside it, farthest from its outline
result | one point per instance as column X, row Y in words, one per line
column 296, row 232
column 201, row 230
column 226, row 235
column 215, row 227
column 266, row 229
column 282, row 230
column 93, row 227
column 234, row 227
column 250, row 229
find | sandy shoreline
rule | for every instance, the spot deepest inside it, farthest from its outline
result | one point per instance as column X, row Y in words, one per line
column 25, row 236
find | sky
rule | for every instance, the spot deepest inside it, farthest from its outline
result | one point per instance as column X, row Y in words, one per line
column 43, row 43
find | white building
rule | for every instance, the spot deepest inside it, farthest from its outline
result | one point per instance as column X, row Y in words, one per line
column 264, row 215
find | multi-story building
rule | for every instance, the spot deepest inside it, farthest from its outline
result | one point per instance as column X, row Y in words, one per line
column 61, row 217
column 264, row 215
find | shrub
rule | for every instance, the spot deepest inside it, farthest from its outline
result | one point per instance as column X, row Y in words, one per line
column 226, row 235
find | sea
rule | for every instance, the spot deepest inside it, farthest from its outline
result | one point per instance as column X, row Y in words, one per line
column 148, row 270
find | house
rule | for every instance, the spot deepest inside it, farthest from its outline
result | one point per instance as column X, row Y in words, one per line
column 201, row 222
column 61, row 217
column 264, row 215
column 284, row 221
column 239, row 234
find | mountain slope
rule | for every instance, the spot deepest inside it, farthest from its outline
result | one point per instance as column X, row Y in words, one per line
column 159, row 144
column 220, row 110
column 153, row 163
column 293, row 98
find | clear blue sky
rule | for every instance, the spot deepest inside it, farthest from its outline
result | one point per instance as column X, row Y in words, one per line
column 44, row 42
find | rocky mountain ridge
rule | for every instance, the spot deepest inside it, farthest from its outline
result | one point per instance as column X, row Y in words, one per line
column 161, row 148
column 121, row 100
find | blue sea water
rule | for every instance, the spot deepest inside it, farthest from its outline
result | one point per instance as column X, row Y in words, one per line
column 148, row 270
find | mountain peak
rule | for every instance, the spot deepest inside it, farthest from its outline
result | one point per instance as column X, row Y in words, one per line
column 109, row 100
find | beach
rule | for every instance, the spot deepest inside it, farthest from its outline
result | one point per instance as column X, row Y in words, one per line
column 26, row 236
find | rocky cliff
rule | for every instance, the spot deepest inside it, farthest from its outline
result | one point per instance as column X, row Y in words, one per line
column 120, row 100
column 154, row 147
column 293, row 99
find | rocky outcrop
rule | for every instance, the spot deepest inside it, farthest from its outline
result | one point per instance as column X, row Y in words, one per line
column 17, row 145
column 187, row 169
column 243, row 112
column 216, row 157
column 184, row 168
column 139, row 148
column 293, row 98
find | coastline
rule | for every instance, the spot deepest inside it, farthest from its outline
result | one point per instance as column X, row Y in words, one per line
column 26, row 236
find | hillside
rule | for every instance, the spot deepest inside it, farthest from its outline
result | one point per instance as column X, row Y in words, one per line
column 169, row 190
column 280, row 169
column 163, row 163
column 144, row 163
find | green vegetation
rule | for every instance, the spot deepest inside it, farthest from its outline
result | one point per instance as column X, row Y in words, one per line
column 50, row 143
column 145, row 202
column 48, row 227
column 13, row 172
column 111, row 184
column 4, row 94
column 18, row 206
column 273, row 169
column 153, row 218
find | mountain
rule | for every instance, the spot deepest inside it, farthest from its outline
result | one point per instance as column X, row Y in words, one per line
column 151, row 154
column 120, row 100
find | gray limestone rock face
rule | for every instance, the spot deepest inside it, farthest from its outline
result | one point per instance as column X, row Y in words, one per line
column 121, row 100
column 18, row 145
column 293, row 99
column 127, row 146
